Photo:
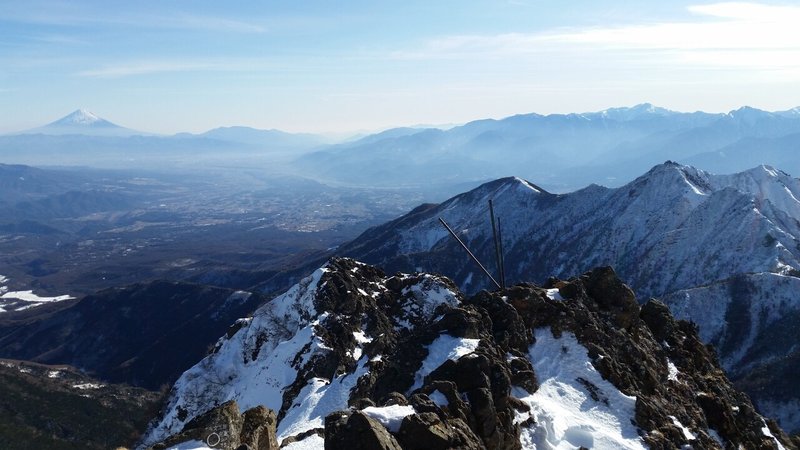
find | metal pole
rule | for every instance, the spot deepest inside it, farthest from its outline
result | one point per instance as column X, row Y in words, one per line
column 502, row 255
column 496, row 245
column 453, row 233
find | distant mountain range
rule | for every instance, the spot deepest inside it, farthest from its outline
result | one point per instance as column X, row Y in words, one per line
column 565, row 151
column 562, row 152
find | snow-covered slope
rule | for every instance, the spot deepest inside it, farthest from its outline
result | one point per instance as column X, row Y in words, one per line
column 22, row 300
column 752, row 319
column 351, row 353
column 674, row 227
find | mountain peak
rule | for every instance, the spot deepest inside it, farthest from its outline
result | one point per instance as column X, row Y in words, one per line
column 749, row 114
column 81, row 117
column 792, row 113
column 670, row 175
column 635, row 112
column 83, row 122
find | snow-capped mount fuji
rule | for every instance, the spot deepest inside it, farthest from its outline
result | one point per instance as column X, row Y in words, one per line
column 351, row 356
column 83, row 122
column 82, row 117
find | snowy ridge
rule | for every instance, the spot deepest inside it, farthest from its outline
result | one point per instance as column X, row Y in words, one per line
column 264, row 358
column 655, row 225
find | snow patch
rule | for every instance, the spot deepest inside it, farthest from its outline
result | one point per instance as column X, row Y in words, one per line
column 565, row 414
column 313, row 442
column 84, row 386
column 687, row 434
column 766, row 431
column 554, row 294
column 316, row 400
column 441, row 349
column 673, row 371
column 361, row 337
column 389, row 416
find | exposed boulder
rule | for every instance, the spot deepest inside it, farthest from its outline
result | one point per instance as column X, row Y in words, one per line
column 225, row 428
column 357, row 431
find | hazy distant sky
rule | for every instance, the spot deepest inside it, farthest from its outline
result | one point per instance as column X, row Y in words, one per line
column 191, row 65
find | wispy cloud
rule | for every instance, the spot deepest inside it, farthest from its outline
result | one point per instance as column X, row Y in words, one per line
column 150, row 67
column 207, row 24
column 142, row 68
column 65, row 14
column 723, row 34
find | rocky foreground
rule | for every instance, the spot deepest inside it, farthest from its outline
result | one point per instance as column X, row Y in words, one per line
column 352, row 358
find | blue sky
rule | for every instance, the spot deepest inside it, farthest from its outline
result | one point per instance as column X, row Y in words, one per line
column 322, row 66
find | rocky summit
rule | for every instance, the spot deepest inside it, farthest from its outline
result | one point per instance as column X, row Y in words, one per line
column 353, row 358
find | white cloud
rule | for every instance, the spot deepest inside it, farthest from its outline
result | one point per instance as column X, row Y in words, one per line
column 129, row 68
column 141, row 68
column 744, row 35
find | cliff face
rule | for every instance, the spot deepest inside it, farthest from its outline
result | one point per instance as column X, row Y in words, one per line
column 353, row 358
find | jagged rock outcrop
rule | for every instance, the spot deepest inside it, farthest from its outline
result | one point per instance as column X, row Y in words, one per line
column 223, row 427
column 353, row 358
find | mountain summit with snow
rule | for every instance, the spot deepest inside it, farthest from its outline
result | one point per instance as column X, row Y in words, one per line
column 83, row 122
column 81, row 117
column 353, row 358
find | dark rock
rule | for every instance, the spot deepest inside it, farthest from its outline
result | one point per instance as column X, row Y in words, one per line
column 258, row 429
column 356, row 431
column 395, row 398
column 603, row 285
column 224, row 428
column 427, row 431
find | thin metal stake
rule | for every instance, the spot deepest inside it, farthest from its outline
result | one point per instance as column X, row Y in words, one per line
column 496, row 245
column 502, row 255
column 453, row 233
